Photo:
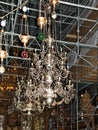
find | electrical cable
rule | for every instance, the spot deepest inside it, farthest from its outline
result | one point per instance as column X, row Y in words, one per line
column 2, row 17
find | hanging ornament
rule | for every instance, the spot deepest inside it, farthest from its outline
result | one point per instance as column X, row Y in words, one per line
column 24, row 36
column 3, row 54
column 24, row 54
column 3, row 24
column 41, row 21
column 41, row 36
column 2, row 69
column 54, row 2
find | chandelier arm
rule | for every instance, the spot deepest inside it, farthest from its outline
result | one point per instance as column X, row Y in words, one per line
column 58, row 103
column 64, row 77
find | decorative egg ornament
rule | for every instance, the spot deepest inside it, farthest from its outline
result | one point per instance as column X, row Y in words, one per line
column 41, row 36
column 24, row 54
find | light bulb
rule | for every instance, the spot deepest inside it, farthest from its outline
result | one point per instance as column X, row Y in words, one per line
column 2, row 69
column 54, row 15
column 3, row 23
column 49, row 92
column 29, row 112
column 24, row 9
column 49, row 100
column 49, row 78
column 49, row 61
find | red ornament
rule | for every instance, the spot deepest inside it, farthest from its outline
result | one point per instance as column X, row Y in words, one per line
column 24, row 54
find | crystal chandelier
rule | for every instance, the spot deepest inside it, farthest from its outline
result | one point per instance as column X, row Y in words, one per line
column 49, row 81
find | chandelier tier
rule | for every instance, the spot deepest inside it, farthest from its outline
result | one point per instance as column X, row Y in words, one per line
column 49, row 81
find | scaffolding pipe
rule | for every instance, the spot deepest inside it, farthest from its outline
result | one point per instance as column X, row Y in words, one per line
column 5, row 3
column 17, row 66
column 73, row 17
column 78, row 5
column 14, row 57
column 5, row 74
column 59, row 41
column 61, row 2
column 75, row 44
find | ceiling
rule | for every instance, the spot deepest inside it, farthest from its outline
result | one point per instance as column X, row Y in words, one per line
column 76, row 31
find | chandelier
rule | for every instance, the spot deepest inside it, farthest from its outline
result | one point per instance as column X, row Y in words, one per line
column 49, row 80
